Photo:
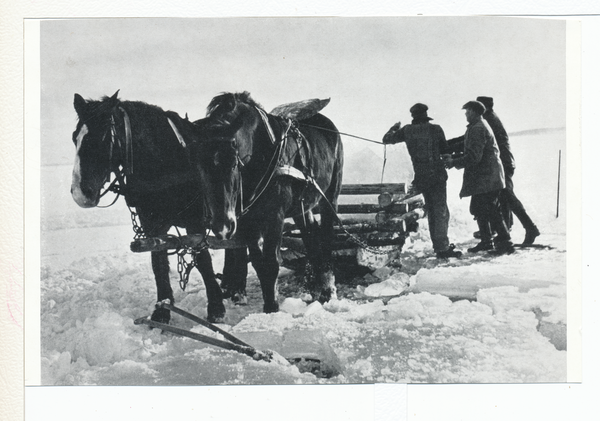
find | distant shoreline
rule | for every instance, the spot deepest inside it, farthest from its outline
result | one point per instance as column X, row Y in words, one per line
column 537, row 131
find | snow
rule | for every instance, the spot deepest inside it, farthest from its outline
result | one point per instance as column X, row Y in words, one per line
column 471, row 320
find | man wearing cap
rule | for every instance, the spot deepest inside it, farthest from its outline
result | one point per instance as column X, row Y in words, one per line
column 508, row 200
column 424, row 142
column 483, row 179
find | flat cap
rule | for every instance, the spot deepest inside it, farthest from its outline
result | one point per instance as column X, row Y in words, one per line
column 476, row 106
column 488, row 101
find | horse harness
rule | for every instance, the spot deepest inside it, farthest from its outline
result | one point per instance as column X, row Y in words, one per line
column 118, row 186
column 277, row 167
column 305, row 174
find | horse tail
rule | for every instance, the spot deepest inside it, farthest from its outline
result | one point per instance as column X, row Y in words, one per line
column 335, row 187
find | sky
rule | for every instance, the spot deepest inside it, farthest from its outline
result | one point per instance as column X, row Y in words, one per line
column 373, row 69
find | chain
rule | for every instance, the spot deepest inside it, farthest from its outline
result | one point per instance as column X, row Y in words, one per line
column 184, row 268
column 137, row 228
column 362, row 244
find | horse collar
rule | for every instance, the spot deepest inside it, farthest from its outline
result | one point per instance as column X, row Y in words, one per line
column 270, row 131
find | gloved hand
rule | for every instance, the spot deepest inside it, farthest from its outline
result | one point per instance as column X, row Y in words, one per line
column 448, row 162
column 389, row 136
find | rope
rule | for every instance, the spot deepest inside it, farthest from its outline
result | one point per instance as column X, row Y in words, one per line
column 384, row 161
column 338, row 132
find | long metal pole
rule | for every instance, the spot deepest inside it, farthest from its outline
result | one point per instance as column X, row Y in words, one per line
column 558, row 187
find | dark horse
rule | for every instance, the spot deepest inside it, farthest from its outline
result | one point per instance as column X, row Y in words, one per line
column 144, row 147
column 264, row 168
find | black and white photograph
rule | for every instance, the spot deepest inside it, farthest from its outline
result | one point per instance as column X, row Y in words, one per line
column 299, row 201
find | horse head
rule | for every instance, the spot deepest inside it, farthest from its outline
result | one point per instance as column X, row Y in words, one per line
column 94, row 147
column 224, row 146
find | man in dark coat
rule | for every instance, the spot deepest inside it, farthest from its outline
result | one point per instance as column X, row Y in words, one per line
column 424, row 142
column 483, row 180
column 508, row 200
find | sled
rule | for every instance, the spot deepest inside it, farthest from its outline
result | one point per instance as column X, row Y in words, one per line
column 304, row 349
column 376, row 227
column 370, row 233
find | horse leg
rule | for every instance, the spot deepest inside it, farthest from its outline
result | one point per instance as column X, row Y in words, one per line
column 266, row 265
column 308, row 227
column 235, row 272
column 160, row 267
column 215, row 309
column 326, row 277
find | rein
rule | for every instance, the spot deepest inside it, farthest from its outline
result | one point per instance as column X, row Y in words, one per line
column 290, row 171
column 117, row 186
column 273, row 163
column 357, row 137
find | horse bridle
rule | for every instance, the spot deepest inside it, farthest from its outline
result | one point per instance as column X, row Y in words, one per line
column 124, row 168
column 271, row 170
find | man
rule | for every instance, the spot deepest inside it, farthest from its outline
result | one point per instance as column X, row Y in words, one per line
column 508, row 200
column 424, row 142
column 483, row 180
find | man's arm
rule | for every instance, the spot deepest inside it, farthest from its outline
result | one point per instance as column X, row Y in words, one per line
column 454, row 146
column 394, row 135
column 498, row 129
column 473, row 148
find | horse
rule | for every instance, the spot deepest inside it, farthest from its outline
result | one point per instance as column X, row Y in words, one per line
column 144, row 147
column 256, row 169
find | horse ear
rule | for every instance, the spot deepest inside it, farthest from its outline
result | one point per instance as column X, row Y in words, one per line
column 114, row 99
column 79, row 104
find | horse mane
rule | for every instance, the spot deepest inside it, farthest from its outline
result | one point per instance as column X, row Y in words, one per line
column 103, row 106
column 147, row 108
column 98, row 108
column 226, row 98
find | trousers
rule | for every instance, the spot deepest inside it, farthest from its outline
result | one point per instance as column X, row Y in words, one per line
column 438, row 215
column 511, row 204
column 485, row 207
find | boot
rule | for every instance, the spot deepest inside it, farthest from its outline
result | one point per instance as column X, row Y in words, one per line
column 482, row 246
column 531, row 234
column 485, row 233
column 450, row 252
column 504, row 247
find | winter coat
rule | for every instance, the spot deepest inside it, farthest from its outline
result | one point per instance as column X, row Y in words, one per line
column 481, row 161
column 506, row 156
column 423, row 141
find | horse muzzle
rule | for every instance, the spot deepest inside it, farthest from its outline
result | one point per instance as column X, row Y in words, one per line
column 225, row 230
column 85, row 199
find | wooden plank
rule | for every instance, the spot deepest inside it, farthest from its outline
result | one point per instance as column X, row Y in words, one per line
column 398, row 223
column 386, row 199
column 342, row 241
column 394, row 208
column 171, row 242
column 392, row 188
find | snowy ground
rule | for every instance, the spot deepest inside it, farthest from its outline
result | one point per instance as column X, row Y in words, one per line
column 469, row 320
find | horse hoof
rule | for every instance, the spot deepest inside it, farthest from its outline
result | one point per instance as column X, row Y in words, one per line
column 161, row 315
column 271, row 308
column 216, row 313
column 327, row 295
column 215, row 319
column 239, row 299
